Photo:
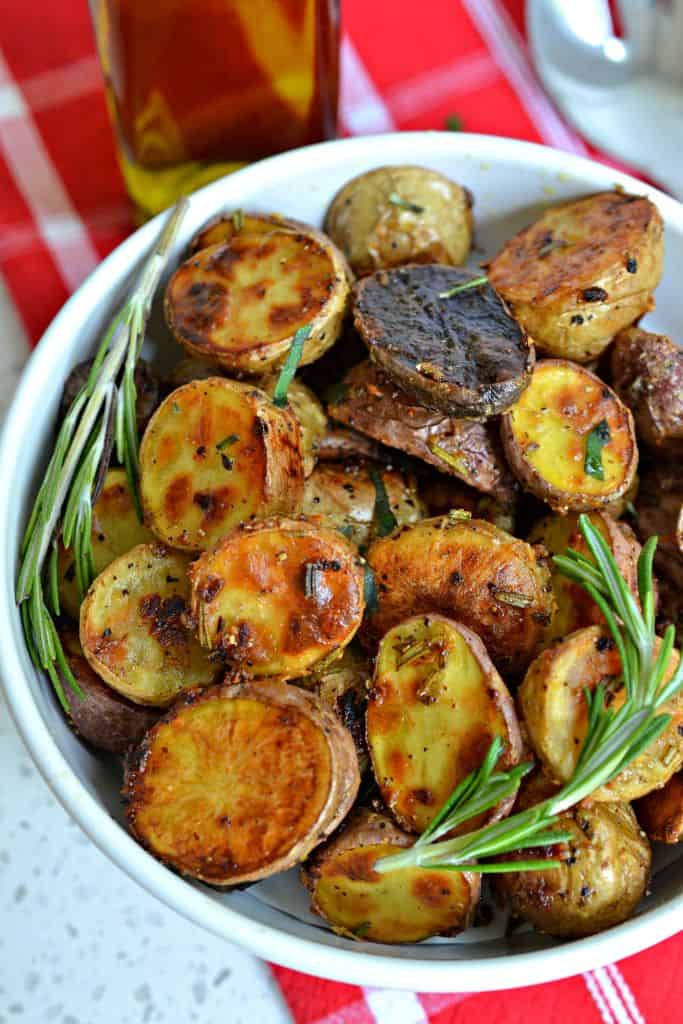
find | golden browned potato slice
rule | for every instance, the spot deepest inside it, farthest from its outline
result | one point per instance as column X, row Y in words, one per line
column 659, row 510
column 226, row 226
column 370, row 402
column 134, row 628
column 342, row 687
column 404, row 214
column 660, row 813
column 407, row 905
column 569, row 439
column 344, row 494
column 310, row 415
column 469, row 570
column 436, row 704
column 240, row 782
column 215, row 454
column 464, row 355
column 603, row 876
column 574, row 607
column 115, row 530
column 102, row 716
column 647, row 374
column 240, row 303
column 552, row 702
column 582, row 272
column 277, row 596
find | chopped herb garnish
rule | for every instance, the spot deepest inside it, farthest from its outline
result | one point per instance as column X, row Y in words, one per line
column 510, row 597
column 453, row 459
column 405, row 204
column 227, row 441
column 453, row 123
column 175, row 407
column 412, row 651
column 370, row 590
column 595, row 442
column 361, row 930
column 312, row 573
column 384, row 519
column 476, row 282
column 290, row 367
column 238, row 220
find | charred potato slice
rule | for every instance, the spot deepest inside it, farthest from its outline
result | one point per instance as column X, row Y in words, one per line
column 574, row 607
column 240, row 303
column 647, row 374
column 552, row 702
column 436, row 704
column 101, row 716
column 240, row 782
column 309, row 414
column 569, row 439
column 469, row 570
column 134, row 630
column 116, row 529
column 217, row 453
column 464, row 355
column 226, row 226
column 660, row 813
column 277, row 596
column 345, row 495
column 407, row 905
column 370, row 402
column 582, row 272
column 342, row 687
column 395, row 215
column 603, row 876
column 659, row 510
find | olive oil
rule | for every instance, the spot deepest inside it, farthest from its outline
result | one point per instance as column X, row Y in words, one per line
column 198, row 88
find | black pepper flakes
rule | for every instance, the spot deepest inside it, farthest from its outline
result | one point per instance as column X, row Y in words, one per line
column 594, row 294
column 632, row 265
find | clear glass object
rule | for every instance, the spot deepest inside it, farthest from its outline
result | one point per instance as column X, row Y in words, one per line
column 198, row 88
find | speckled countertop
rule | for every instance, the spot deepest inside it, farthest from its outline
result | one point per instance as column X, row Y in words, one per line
column 80, row 943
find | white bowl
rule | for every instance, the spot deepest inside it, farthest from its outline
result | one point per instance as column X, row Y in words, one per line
column 510, row 180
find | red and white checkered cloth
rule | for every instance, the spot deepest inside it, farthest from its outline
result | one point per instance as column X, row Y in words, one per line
column 63, row 207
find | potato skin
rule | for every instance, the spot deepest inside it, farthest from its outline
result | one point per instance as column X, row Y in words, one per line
column 240, row 782
column 647, row 374
column 217, row 452
column 374, row 233
column 344, row 495
column 659, row 510
column 310, row 415
column 544, row 436
column 371, row 403
column 134, row 630
column 342, row 442
column 342, row 687
column 278, row 595
column 432, row 718
column 101, row 717
column 660, row 813
column 407, row 905
column 582, row 272
column 604, row 874
column 239, row 303
column 554, row 712
column 469, row 570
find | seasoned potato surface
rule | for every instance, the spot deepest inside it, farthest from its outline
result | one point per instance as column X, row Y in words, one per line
column 217, row 453
column 226, row 226
column 647, row 374
column 310, row 415
column 660, row 813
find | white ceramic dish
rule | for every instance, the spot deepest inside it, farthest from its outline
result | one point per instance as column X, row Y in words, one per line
column 510, row 180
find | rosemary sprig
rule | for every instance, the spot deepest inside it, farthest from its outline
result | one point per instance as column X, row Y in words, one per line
column 405, row 204
column 384, row 518
column 476, row 282
column 614, row 738
column 63, row 505
column 290, row 366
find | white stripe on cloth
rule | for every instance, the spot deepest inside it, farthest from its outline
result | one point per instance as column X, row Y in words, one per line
column 36, row 177
column 610, row 995
column 392, row 1007
column 509, row 51
column 362, row 109
column 59, row 85
column 413, row 96
column 598, row 998
column 626, row 993
column 352, row 1013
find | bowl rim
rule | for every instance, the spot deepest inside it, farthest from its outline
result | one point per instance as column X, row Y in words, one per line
column 354, row 966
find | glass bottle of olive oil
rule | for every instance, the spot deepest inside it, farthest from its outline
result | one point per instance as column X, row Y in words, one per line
column 198, row 88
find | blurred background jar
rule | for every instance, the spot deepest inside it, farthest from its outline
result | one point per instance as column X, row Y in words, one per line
column 198, row 88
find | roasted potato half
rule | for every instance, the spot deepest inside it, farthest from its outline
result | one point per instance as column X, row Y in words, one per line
column 239, row 303
column 309, row 413
column 436, row 704
column 394, row 215
column 344, row 494
column 553, row 707
column 226, row 226
column 463, row 355
column 116, row 529
column 217, row 453
column 240, row 782
column 647, row 374
column 101, row 716
column 603, row 876
column 278, row 595
column 134, row 630
column 582, row 272
column 659, row 510
column 368, row 401
column 569, row 439
column 574, row 606
column 469, row 570
column 660, row 813
column 406, row 905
